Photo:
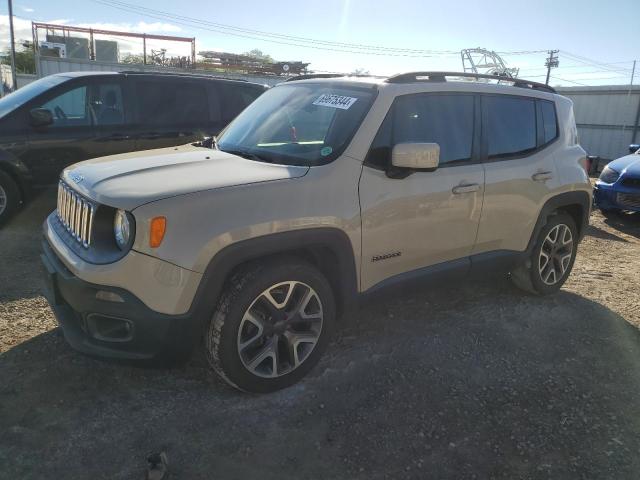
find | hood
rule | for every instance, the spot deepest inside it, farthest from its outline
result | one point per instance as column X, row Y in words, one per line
column 629, row 164
column 129, row 180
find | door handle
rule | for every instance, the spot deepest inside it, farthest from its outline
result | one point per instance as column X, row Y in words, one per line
column 117, row 137
column 541, row 176
column 467, row 188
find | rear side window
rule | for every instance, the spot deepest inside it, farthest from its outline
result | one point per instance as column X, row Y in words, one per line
column 447, row 120
column 549, row 122
column 172, row 103
column 235, row 98
column 511, row 125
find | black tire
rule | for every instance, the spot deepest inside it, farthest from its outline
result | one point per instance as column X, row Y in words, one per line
column 528, row 277
column 11, row 194
column 222, row 339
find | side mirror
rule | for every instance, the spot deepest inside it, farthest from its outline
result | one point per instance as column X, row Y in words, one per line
column 416, row 156
column 634, row 147
column 40, row 117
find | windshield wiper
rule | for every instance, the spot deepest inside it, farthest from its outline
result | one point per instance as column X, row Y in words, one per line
column 248, row 155
column 207, row 142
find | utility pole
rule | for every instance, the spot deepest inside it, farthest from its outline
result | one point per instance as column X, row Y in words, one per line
column 552, row 62
column 13, row 46
column 633, row 72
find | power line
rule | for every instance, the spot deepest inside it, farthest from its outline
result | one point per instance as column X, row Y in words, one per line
column 570, row 81
column 268, row 36
column 576, row 66
column 596, row 63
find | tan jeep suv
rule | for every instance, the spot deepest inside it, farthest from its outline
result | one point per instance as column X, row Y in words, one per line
column 321, row 191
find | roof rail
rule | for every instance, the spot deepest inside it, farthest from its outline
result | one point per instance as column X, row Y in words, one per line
column 315, row 75
column 412, row 77
column 180, row 74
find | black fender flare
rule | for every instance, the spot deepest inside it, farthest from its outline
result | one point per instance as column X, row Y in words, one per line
column 342, row 273
column 13, row 167
column 567, row 199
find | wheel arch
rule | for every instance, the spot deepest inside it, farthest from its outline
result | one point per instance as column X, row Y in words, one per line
column 577, row 204
column 328, row 249
column 10, row 168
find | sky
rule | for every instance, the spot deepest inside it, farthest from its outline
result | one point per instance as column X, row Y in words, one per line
column 598, row 40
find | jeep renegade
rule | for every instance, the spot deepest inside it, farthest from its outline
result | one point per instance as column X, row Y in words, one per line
column 322, row 190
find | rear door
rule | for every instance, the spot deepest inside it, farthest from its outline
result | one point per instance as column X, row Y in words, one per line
column 425, row 218
column 520, row 171
column 170, row 111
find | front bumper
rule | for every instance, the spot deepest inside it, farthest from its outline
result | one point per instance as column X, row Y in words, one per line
column 113, row 323
column 614, row 197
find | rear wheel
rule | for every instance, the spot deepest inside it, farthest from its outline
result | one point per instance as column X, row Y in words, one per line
column 551, row 261
column 271, row 326
column 9, row 197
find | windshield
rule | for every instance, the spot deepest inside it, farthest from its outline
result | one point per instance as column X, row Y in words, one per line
column 308, row 124
column 26, row 93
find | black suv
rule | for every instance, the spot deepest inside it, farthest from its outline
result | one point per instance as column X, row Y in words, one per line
column 66, row 118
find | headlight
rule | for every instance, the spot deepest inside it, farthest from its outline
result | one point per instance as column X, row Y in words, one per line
column 122, row 229
column 609, row 175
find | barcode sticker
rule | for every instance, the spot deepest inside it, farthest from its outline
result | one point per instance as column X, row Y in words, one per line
column 335, row 101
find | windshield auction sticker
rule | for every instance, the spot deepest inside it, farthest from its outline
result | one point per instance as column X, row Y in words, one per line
column 335, row 101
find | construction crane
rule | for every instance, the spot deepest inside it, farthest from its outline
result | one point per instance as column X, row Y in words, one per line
column 481, row 60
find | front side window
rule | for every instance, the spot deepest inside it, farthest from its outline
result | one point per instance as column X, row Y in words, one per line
column 443, row 119
column 304, row 124
column 447, row 120
column 70, row 108
column 510, row 124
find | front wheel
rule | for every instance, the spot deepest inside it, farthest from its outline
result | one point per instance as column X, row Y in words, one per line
column 552, row 258
column 271, row 325
column 9, row 197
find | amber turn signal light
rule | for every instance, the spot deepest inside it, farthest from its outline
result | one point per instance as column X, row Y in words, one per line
column 158, row 227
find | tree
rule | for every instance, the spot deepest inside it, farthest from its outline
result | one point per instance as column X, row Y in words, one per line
column 257, row 54
column 25, row 60
column 360, row 71
column 132, row 58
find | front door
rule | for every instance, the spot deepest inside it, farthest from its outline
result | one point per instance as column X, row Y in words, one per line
column 425, row 218
column 70, row 139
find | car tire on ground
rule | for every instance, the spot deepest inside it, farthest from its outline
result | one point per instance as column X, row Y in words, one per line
column 9, row 197
column 552, row 258
column 271, row 325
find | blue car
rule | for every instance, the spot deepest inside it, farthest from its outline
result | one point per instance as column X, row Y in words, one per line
column 618, row 187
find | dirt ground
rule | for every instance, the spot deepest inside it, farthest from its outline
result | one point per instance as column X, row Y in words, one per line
column 467, row 381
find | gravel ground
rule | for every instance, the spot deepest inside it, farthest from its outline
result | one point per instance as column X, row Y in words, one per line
column 468, row 381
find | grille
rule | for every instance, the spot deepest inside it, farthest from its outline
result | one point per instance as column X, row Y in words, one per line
column 629, row 200
column 631, row 182
column 76, row 214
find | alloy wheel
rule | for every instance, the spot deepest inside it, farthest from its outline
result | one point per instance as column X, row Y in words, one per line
column 555, row 254
column 3, row 200
column 280, row 329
